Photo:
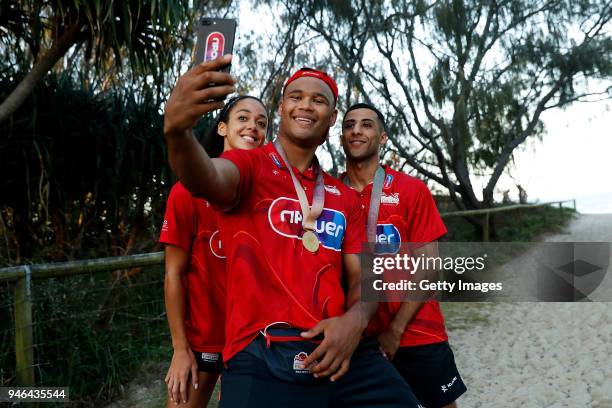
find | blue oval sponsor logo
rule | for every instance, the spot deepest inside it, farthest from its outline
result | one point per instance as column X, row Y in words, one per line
column 388, row 239
column 285, row 217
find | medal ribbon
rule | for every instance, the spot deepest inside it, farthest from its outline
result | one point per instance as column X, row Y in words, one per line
column 309, row 213
column 379, row 178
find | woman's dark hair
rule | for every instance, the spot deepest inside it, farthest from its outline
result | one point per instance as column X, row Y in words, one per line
column 213, row 143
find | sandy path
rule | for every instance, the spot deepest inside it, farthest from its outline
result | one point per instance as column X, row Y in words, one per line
column 587, row 228
column 541, row 354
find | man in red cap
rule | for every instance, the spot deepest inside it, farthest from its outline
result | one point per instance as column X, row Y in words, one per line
column 292, row 235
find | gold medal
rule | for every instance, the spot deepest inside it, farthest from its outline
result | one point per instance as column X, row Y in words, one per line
column 310, row 214
column 310, row 241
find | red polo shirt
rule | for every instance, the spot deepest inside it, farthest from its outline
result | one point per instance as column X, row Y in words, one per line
column 191, row 224
column 271, row 276
column 407, row 213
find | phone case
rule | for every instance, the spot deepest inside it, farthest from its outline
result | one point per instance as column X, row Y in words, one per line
column 215, row 38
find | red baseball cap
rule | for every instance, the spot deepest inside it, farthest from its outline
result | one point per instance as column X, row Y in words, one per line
column 309, row 72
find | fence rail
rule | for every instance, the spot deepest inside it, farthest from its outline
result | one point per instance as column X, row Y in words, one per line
column 23, row 275
column 507, row 208
column 22, row 297
column 488, row 211
column 58, row 269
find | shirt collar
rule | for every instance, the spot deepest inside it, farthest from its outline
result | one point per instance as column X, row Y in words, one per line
column 276, row 158
column 368, row 188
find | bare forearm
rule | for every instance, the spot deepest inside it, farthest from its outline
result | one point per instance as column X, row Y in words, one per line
column 404, row 315
column 365, row 311
column 195, row 94
column 189, row 161
column 353, row 293
column 409, row 308
column 216, row 180
column 354, row 303
column 175, row 309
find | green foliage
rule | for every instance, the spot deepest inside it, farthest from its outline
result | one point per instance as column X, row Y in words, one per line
column 144, row 32
column 342, row 9
column 89, row 174
column 440, row 81
column 86, row 158
column 7, row 336
column 78, row 162
column 92, row 332
column 521, row 225
column 532, row 224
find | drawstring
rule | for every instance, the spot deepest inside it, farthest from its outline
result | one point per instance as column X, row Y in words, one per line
column 279, row 339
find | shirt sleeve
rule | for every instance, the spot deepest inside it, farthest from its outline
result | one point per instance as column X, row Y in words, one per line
column 179, row 221
column 355, row 235
column 424, row 221
column 248, row 165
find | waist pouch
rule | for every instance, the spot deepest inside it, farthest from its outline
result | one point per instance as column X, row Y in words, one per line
column 283, row 351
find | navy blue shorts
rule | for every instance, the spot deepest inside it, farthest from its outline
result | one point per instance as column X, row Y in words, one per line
column 431, row 372
column 273, row 377
column 209, row 362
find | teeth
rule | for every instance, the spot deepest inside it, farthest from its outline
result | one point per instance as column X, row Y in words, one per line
column 304, row 120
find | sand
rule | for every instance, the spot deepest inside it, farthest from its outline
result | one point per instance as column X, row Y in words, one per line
column 541, row 354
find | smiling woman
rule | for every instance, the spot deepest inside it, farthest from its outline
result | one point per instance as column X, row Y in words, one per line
column 243, row 123
column 195, row 262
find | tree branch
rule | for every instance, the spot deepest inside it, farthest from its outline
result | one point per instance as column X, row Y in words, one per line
column 520, row 138
column 24, row 89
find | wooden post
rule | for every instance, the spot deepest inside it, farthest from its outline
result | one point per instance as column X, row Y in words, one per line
column 485, row 228
column 574, row 200
column 24, row 351
column 560, row 208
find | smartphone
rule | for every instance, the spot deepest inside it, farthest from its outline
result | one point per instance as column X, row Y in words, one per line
column 215, row 38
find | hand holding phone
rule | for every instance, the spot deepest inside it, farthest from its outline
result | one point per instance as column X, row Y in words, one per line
column 204, row 87
column 197, row 92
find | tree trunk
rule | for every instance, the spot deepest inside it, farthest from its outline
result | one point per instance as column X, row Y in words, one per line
column 41, row 67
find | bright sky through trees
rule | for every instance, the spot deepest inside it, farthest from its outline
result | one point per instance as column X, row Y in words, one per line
column 573, row 160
